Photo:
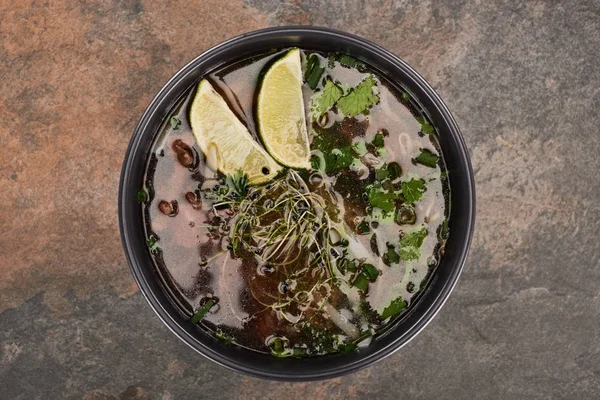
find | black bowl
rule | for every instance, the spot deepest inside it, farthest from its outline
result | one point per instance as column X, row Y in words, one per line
column 462, row 213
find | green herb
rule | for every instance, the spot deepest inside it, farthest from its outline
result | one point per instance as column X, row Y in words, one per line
column 347, row 348
column 427, row 158
column 426, row 127
column 381, row 217
column 359, row 147
column 395, row 308
column 391, row 256
column 361, row 282
column 142, row 196
column 378, row 140
column 152, row 243
column 359, row 99
column 223, row 336
column 299, row 352
column 347, row 265
column 370, row 272
column 351, row 266
column 329, row 96
column 337, row 159
column 444, row 231
column 410, row 244
column 405, row 96
column 202, row 311
column 379, row 198
column 313, row 72
column 350, row 62
column 363, row 228
column 381, row 173
column 331, row 61
column 337, row 151
column 175, row 122
column 238, row 183
column 413, row 190
column 410, row 253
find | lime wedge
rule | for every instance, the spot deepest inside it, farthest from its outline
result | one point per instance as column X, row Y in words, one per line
column 280, row 112
column 221, row 135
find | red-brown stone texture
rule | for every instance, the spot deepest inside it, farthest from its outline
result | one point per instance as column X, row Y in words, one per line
column 521, row 77
column 75, row 77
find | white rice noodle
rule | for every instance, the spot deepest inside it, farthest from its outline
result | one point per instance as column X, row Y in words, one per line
column 406, row 144
column 337, row 318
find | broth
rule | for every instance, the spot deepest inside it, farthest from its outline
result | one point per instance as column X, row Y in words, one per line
column 366, row 226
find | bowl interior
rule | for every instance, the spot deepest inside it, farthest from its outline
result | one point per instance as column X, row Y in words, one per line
column 462, row 200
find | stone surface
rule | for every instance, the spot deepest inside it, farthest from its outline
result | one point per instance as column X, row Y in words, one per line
column 521, row 77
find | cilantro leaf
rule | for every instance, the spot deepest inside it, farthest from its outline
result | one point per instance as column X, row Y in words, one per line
column 359, row 99
column 348, row 266
column 175, row 122
column 336, row 148
column 370, row 272
column 347, row 348
column 382, row 173
column 359, row 147
column 413, row 190
column 350, row 62
column 329, row 96
column 363, row 228
column 378, row 140
column 414, row 238
column 313, row 72
column 409, row 253
column 410, row 244
column 426, row 127
column 361, row 282
column 379, row 198
column 337, row 159
column 331, row 61
column 142, row 196
column 395, row 308
column 427, row 158
column 391, row 256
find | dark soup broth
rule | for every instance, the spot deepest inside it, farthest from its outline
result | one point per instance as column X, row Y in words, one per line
column 306, row 260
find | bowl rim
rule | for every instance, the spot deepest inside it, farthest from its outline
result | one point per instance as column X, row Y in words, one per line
column 429, row 313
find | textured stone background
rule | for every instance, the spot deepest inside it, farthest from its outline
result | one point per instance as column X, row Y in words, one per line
column 523, row 80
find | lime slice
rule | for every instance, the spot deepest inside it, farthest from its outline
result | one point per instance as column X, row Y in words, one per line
column 280, row 112
column 221, row 135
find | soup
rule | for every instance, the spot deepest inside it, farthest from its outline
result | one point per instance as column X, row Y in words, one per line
column 296, row 203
